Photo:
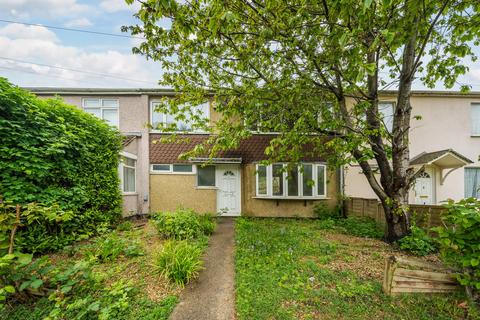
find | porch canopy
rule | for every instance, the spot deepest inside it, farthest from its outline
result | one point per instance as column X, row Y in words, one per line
column 443, row 159
column 216, row 160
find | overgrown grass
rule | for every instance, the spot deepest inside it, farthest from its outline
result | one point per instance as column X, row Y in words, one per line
column 298, row 269
column 124, row 286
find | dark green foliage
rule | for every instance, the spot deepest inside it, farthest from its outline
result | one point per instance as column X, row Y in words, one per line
column 418, row 242
column 57, row 155
column 360, row 227
column 460, row 241
column 180, row 261
column 322, row 211
column 152, row 310
column 183, row 224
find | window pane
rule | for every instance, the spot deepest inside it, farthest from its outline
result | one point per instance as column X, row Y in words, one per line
column 109, row 103
column 321, row 180
column 277, row 180
column 91, row 103
column 308, row 180
column 157, row 119
column 95, row 111
column 206, row 176
column 386, row 111
column 292, row 182
column 129, row 162
column 111, row 116
column 472, row 182
column 262, row 180
column 161, row 167
column 128, row 179
column 475, row 114
column 182, row 168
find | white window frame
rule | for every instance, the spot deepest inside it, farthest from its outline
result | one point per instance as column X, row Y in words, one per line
column 472, row 106
column 120, row 171
column 102, row 108
column 170, row 171
column 153, row 103
column 392, row 104
column 315, row 194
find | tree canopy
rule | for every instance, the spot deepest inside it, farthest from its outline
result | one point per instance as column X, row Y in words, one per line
column 309, row 68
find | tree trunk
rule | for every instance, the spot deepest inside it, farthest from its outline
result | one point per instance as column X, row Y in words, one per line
column 397, row 218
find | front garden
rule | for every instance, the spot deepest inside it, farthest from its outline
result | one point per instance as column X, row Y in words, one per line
column 133, row 272
column 315, row 269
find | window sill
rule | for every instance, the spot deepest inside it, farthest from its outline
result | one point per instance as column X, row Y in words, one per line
column 206, row 188
column 475, row 136
column 129, row 194
column 178, row 132
column 290, row 198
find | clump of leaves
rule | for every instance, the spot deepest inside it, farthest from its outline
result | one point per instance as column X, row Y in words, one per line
column 180, row 261
column 323, row 212
column 183, row 224
column 459, row 241
column 125, row 226
column 354, row 289
column 418, row 242
column 111, row 246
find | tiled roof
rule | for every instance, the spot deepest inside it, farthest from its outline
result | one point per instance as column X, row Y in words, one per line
column 250, row 150
column 427, row 157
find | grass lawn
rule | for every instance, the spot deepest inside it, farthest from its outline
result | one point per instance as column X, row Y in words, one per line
column 125, row 257
column 307, row 269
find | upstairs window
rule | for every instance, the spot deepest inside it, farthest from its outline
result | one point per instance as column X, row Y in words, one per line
column 386, row 111
column 160, row 120
column 475, row 119
column 308, row 180
column 106, row 109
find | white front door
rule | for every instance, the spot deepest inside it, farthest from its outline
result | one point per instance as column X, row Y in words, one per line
column 424, row 188
column 228, row 194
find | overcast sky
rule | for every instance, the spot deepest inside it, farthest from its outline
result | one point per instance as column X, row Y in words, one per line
column 28, row 52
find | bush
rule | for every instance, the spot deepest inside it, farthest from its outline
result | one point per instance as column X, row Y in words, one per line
column 418, row 242
column 183, row 224
column 62, row 157
column 110, row 247
column 180, row 261
column 459, row 241
column 322, row 211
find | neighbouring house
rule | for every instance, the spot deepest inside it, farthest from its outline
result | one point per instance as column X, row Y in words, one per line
column 153, row 178
column 444, row 140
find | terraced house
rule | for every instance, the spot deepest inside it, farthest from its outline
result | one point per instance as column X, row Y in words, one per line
column 445, row 140
column 153, row 178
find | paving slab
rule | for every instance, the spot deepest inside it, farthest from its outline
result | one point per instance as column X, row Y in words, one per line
column 212, row 295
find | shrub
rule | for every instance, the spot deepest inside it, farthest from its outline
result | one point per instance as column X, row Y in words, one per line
column 62, row 157
column 125, row 226
column 322, row 211
column 180, row 261
column 418, row 242
column 110, row 247
column 183, row 224
column 459, row 241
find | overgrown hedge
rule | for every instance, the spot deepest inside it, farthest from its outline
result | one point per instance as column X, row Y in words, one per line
column 57, row 155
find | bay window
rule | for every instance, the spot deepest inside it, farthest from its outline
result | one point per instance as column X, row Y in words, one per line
column 276, row 181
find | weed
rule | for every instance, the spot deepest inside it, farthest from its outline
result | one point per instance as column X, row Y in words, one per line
column 183, row 224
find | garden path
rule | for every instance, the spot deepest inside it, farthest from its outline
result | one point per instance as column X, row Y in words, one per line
column 212, row 295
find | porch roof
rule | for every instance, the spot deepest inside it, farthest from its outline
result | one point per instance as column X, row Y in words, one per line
column 447, row 158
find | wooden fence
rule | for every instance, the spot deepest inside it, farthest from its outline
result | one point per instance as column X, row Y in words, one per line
column 426, row 216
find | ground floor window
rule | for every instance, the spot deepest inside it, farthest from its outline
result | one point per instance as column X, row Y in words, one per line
column 172, row 168
column 472, row 182
column 128, row 174
column 206, row 176
column 307, row 180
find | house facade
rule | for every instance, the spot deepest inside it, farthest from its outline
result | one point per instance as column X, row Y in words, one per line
column 444, row 140
column 154, row 178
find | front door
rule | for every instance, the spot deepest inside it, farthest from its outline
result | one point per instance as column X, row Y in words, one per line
column 424, row 188
column 228, row 194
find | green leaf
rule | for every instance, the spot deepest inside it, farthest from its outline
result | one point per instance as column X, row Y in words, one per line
column 474, row 262
column 9, row 289
column 36, row 284
column 24, row 285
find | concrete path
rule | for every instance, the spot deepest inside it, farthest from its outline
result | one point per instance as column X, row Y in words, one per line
column 212, row 295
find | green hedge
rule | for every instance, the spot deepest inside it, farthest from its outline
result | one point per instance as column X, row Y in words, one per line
column 55, row 154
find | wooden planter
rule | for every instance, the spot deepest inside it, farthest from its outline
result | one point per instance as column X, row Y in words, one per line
column 410, row 276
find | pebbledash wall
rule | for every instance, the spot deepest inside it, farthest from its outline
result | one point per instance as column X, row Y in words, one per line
column 446, row 123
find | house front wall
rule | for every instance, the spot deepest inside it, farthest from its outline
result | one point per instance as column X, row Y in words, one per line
column 445, row 124
column 171, row 191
